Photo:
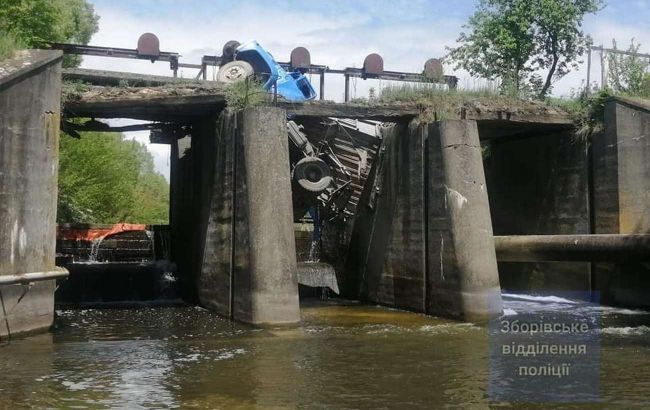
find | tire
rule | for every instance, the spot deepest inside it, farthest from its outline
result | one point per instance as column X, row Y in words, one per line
column 312, row 174
column 234, row 71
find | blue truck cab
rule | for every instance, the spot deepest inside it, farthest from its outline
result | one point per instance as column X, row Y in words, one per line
column 292, row 86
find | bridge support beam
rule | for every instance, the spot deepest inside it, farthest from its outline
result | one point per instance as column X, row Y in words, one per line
column 247, row 256
column 462, row 268
column 426, row 235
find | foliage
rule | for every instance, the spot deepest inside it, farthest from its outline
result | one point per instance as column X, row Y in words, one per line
column 513, row 40
column 437, row 103
column 425, row 92
column 106, row 179
column 245, row 94
column 8, row 44
column 629, row 74
column 32, row 22
column 587, row 111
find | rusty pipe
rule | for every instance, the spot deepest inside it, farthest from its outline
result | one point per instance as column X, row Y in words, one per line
column 57, row 273
column 546, row 248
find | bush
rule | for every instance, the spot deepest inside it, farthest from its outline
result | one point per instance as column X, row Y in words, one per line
column 245, row 94
column 8, row 45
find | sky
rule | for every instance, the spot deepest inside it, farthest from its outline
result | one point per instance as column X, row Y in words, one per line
column 337, row 33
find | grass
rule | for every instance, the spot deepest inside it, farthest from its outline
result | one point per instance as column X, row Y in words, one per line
column 440, row 103
column 72, row 89
column 245, row 94
column 8, row 45
column 428, row 92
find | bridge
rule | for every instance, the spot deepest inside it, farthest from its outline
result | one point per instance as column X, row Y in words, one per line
column 425, row 194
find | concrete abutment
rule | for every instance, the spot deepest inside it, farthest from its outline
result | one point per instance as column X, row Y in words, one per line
column 30, row 98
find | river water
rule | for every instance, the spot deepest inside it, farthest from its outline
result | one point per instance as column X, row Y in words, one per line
column 343, row 355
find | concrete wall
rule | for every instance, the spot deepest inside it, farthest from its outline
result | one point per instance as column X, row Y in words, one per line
column 233, row 233
column 622, row 197
column 30, row 95
column 425, row 236
column 539, row 185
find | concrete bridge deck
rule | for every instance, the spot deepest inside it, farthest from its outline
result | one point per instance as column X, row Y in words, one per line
column 157, row 98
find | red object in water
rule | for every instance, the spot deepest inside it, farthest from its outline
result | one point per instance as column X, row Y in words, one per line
column 72, row 232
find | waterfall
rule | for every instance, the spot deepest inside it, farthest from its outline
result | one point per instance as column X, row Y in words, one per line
column 314, row 251
column 94, row 249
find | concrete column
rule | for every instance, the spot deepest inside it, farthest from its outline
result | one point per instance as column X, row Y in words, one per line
column 463, row 278
column 30, row 97
column 248, row 268
column 263, row 168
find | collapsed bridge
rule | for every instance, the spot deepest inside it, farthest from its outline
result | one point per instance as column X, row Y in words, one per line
column 231, row 187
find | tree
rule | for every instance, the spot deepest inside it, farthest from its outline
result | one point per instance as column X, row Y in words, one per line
column 515, row 40
column 106, row 179
column 628, row 73
column 31, row 22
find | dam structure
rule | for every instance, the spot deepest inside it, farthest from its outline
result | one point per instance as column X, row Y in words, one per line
column 431, row 209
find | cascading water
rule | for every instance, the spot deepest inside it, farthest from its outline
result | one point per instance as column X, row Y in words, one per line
column 314, row 251
column 94, row 249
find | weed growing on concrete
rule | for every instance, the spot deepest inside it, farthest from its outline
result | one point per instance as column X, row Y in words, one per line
column 72, row 89
column 245, row 94
column 8, row 45
column 587, row 111
column 440, row 103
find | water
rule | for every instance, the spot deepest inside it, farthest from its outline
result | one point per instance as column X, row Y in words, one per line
column 94, row 249
column 341, row 356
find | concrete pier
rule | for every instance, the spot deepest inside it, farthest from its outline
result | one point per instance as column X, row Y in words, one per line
column 238, row 217
column 30, row 97
column 427, row 233
column 462, row 268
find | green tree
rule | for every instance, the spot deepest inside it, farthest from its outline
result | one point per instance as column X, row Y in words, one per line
column 30, row 22
column 106, row 179
column 628, row 73
column 516, row 40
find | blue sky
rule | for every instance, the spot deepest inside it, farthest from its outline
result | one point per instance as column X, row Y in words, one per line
column 337, row 33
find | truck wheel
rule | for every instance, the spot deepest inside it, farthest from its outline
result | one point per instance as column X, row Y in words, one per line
column 234, row 71
column 312, row 174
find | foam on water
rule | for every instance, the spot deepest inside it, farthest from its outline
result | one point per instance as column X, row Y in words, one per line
column 626, row 331
column 542, row 299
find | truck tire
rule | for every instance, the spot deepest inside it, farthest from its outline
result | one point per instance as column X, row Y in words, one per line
column 312, row 174
column 234, row 71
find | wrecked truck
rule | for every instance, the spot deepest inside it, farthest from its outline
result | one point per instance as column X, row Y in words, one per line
column 251, row 59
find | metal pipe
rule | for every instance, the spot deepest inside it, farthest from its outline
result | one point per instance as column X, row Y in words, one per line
column 603, row 70
column 588, row 90
column 615, row 51
column 58, row 273
column 543, row 248
column 347, row 88
column 322, row 85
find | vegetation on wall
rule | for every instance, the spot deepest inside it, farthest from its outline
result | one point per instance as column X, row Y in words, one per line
column 104, row 178
column 245, row 94
column 28, row 23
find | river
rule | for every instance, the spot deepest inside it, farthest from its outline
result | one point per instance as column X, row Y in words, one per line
column 343, row 355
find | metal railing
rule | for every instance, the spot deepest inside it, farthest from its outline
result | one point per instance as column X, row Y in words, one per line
column 148, row 49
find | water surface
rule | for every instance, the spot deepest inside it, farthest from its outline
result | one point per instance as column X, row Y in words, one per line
column 341, row 356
